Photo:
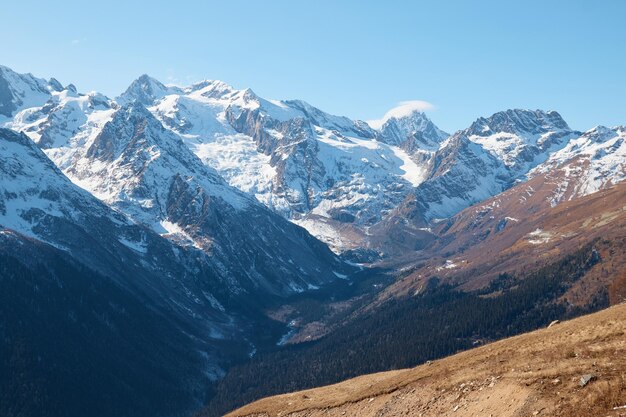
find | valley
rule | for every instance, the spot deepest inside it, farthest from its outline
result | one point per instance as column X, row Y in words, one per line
column 573, row 368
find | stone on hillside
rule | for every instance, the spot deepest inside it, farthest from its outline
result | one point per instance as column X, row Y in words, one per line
column 585, row 379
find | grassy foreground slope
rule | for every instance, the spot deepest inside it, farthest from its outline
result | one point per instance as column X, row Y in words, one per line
column 536, row 373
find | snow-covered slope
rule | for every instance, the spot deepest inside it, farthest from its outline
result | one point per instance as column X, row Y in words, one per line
column 130, row 162
column 477, row 163
column 144, row 170
column 123, row 155
column 521, row 139
column 333, row 175
column 20, row 91
column 592, row 162
column 64, row 115
column 461, row 173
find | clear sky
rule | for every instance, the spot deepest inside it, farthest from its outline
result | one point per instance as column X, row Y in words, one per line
column 354, row 58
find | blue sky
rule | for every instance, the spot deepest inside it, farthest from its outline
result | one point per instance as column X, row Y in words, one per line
column 355, row 58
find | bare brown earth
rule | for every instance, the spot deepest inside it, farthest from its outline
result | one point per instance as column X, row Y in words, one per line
column 537, row 373
column 519, row 230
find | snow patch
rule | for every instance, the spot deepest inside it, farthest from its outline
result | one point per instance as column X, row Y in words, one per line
column 539, row 237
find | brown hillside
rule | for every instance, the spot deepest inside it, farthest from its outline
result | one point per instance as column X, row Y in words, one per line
column 533, row 374
column 519, row 230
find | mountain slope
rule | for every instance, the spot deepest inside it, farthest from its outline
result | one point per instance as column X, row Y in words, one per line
column 145, row 171
column 587, row 164
column 528, row 225
column 536, row 373
column 487, row 158
column 20, row 91
column 471, row 166
column 330, row 174
column 327, row 173
column 97, row 297
column 75, row 343
column 39, row 202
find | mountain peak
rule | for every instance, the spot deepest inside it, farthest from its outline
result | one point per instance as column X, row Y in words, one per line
column 408, row 126
column 55, row 85
column 411, row 108
column 215, row 89
column 146, row 90
column 517, row 121
column 18, row 91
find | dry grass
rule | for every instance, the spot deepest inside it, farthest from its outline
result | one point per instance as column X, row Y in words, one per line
column 538, row 372
column 570, row 225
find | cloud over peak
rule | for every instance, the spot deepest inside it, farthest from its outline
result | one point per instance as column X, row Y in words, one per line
column 402, row 109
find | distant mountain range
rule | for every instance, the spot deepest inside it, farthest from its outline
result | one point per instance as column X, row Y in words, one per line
column 338, row 178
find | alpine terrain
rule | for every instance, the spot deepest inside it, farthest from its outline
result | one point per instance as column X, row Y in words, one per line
column 186, row 250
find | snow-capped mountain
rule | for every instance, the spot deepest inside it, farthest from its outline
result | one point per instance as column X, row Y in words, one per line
column 475, row 164
column 343, row 180
column 521, row 139
column 408, row 127
column 38, row 203
column 461, row 173
column 594, row 161
column 487, row 158
column 142, row 169
column 123, row 155
column 64, row 115
column 145, row 90
column 20, row 91
column 330, row 174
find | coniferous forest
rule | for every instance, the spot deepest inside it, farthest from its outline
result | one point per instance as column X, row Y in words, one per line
column 403, row 333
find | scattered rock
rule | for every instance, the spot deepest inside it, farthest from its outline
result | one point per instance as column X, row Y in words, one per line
column 555, row 381
column 585, row 379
